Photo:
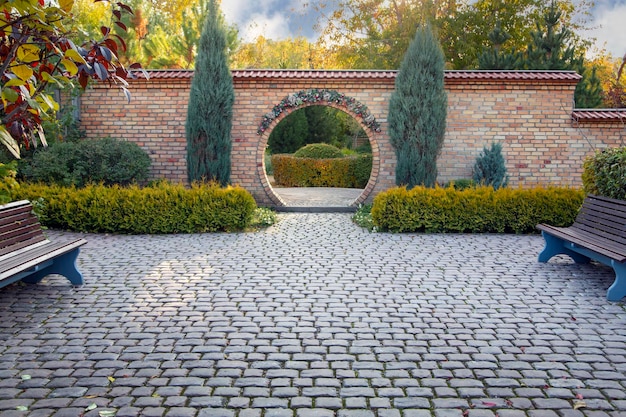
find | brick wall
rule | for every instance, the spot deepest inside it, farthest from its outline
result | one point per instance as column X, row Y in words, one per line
column 530, row 116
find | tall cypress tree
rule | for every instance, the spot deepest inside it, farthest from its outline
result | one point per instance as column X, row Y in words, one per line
column 417, row 111
column 209, row 116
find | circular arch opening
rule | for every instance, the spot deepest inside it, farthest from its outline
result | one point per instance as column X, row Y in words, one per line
column 353, row 108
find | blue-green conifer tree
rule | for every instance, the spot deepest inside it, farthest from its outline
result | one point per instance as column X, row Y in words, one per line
column 417, row 111
column 209, row 115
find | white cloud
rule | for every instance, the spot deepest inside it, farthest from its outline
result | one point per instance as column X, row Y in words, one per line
column 609, row 20
column 275, row 26
column 274, row 19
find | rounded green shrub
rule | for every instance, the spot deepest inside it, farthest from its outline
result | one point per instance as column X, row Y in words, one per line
column 107, row 161
column 318, row 151
column 605, row 173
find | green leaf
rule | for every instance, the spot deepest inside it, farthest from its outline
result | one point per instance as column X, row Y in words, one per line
column 91, row 406
column 107, row 413
column 9, row 95
column 21, row 408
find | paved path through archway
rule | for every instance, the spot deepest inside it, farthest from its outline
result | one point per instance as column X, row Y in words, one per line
column 325, row 197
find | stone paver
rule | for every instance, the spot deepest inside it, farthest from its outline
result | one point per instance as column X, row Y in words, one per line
column 317, row 196
column 315, row 317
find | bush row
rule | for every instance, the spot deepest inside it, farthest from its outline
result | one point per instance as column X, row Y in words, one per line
column 605, row 173
column 475, row 210
column 161, row 208
column 349, row 172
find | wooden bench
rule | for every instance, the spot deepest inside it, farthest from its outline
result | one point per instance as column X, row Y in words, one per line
column 26, row 254
column 598, row 233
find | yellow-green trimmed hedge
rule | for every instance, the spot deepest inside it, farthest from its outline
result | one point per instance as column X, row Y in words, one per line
column 348, row 172
column 474, row 210
column 162, row 208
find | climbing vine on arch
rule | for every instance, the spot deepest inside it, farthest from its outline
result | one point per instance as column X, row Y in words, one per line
column 306, row 97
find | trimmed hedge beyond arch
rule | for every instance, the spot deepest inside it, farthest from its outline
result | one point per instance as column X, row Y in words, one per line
column 307, row 97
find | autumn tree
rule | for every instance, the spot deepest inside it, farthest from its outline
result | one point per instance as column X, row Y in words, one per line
column 37, row 51
column 615, row 92
column 417, row 111
column 375, row 34
column 161, row 34
column 209, row 114
column 290, row 53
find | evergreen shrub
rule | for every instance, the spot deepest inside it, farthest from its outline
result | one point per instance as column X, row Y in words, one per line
column 605, row 173
column 490, row 168
column 7, row 181
column 474, row 210
column 347, row 172
column 461, row 184
column 319, row 151
column 108, row 161
column 160, row 208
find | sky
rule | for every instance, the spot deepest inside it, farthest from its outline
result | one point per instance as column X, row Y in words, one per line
column 609, row 20
column 280, row 19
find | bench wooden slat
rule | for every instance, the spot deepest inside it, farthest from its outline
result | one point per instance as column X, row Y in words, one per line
column 26, row 235
column 11, row 212
column 601, row 222
column 607, row 202
column 604, row 206
column 609, row 237
column 607, row 221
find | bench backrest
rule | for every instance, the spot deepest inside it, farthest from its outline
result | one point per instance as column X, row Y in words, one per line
column 19, row 227
column 604, row 217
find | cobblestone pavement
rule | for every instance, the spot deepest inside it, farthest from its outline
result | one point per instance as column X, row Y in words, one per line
column 315, row 317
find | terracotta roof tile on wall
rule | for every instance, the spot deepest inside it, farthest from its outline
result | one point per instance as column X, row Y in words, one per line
column 449, row 76
column 599, row 115
column 166, row 74
column 314, row 74
column 489, row 75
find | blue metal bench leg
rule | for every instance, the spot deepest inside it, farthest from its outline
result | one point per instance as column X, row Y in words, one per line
column 555, row 246
column 63, row 265
column 617, row 291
